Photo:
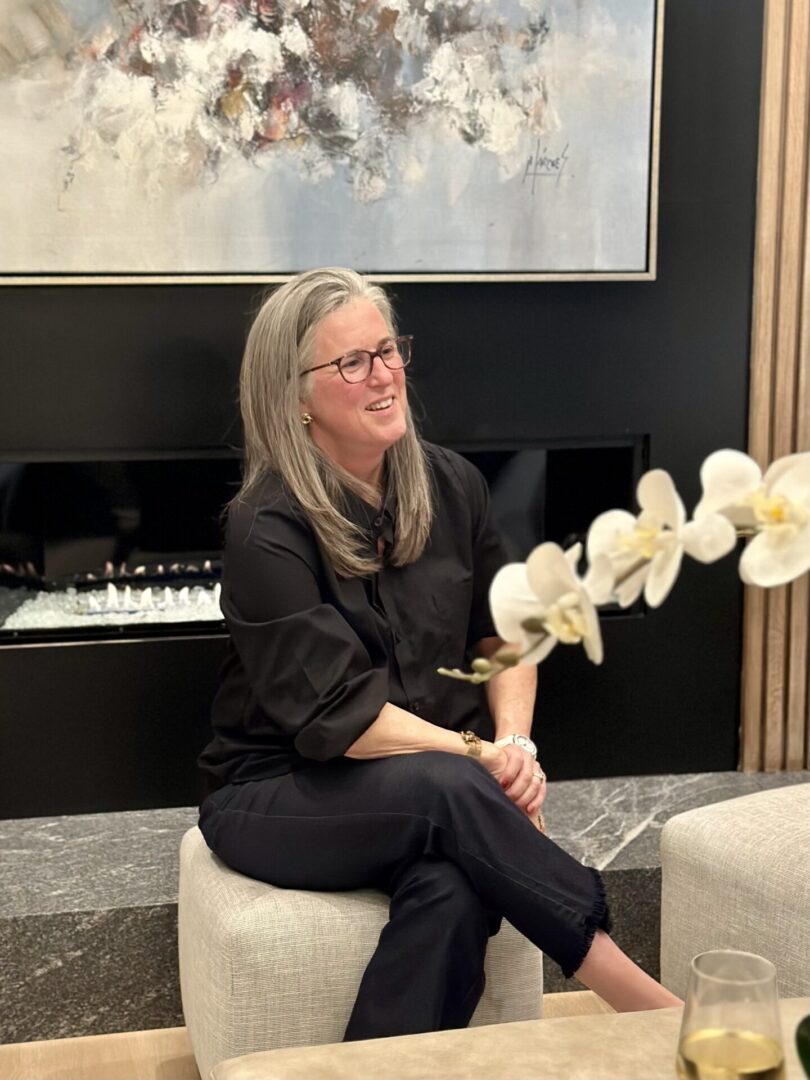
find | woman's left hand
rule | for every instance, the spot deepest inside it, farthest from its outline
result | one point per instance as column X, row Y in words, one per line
column 520, row 781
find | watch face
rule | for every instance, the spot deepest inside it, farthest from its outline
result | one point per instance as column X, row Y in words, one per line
column 523, row 741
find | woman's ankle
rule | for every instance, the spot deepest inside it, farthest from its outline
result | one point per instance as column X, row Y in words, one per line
column 612, row 975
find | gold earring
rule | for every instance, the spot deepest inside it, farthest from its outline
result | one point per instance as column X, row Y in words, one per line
column 306, row 419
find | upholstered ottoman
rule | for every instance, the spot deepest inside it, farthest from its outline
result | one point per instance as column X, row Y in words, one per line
column 262, row 967
column 737, row 875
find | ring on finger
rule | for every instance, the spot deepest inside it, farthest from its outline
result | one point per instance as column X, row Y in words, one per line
column 541, row 776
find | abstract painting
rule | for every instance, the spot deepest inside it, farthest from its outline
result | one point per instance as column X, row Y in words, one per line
column 233, row 139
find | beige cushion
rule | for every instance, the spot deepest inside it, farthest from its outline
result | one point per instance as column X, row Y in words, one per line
column 262, row 967
column 737, row 875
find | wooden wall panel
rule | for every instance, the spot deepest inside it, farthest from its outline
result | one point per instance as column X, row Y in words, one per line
column 774, row 723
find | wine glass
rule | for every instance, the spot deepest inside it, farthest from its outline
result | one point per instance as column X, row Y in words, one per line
column 730, row 1028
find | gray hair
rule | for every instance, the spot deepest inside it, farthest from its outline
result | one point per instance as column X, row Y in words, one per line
column 279, row 347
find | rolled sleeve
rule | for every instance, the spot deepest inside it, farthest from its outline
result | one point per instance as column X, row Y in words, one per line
column 310, row 673
column 312, row 678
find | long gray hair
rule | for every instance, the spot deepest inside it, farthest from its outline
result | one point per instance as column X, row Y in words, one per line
column 279, row 347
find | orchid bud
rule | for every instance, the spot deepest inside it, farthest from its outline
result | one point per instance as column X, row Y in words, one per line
column 482, row 666
column 534, row 625
column 506, row 658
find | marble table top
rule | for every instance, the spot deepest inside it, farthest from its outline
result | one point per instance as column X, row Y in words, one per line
column 94, row 862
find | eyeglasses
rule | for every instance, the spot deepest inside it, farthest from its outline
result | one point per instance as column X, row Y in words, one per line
column 356, row 366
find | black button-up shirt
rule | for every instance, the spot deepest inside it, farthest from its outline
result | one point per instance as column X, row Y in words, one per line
column 313, row 657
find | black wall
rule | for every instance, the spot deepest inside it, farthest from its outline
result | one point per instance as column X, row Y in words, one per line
column 99, row 370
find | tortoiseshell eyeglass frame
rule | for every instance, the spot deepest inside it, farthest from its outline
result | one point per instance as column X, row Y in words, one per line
column 404, row 344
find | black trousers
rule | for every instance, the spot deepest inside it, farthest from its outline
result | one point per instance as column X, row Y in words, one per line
column 436, row 833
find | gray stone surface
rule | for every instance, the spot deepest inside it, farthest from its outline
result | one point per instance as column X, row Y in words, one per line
column 91, row 862
column 88, row 973
column 616, row 823
column 88, row 909
column 88, row 923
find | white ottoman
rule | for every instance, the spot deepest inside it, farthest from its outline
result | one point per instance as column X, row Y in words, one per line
column 736, row 875
column 262, row 967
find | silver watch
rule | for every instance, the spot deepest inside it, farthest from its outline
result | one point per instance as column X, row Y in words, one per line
column 523, row 741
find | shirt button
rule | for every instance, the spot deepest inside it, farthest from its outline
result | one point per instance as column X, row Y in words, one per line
column 415, row 706
column 378, row 521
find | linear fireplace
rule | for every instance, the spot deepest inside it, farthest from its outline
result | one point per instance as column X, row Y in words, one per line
column 98, row 549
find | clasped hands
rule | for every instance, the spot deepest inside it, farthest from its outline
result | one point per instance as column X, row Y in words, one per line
column 516, row 772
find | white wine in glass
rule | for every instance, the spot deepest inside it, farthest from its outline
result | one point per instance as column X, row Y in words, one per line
column 730, row 1028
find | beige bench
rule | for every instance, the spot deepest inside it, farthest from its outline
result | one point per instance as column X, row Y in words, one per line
column 262, row 967
column 736, row 875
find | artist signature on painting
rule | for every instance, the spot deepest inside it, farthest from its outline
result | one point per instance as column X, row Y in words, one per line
column 543, row 164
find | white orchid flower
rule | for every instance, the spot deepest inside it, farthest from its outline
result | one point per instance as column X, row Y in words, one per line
column 544, row 596
column 776, row 505
column 598, row 581
column 646, row 551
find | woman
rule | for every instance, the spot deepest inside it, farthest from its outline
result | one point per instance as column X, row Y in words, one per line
column 358, row 560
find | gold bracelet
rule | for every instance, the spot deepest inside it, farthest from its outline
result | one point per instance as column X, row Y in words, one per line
column 473, row 743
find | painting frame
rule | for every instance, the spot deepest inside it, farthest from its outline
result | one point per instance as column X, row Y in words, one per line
column 647, row 273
